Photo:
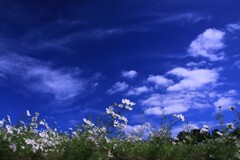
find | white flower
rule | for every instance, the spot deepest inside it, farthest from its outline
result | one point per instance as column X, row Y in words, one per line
column 219, row 133
column 28, row 113
column 115, row 146
column 110, row 154
column 1, row 124
column 107, row 140
column 206, row 127
column 42, row 122
column 127, row 102
column 116, row 123
column 204, row 130
column 147, row 124
column 123, row 118
column 8, row 119
column 103, row 129
column 129, row 108
column 13, row 147
column 109, row 110
column 123, row 125
column 120, row 105
column 230, row 125
column 179, row 116
column 88, row 122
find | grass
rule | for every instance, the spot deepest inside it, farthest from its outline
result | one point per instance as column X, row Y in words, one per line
column 110, row 139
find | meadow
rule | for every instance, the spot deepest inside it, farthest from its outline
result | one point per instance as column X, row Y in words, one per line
column 110, row 138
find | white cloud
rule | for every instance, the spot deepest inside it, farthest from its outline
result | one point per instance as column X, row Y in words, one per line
column 225, row 102
column 237, row 64
column 139, row 90
column 167, row 103
column 177, row 102
column 118, row 87
column 129, row 74
column 40, row 77
column 208, row 44
column 233, row 27
column 192, row 79
column 160, row 80
column 197, row 64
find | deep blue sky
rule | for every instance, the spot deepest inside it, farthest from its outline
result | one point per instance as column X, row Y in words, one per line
column 68, row 59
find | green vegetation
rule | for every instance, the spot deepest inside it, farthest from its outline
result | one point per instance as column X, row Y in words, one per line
column 111, row 138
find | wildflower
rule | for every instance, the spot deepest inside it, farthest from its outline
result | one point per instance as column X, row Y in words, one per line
column 206, row 127
column 129, row 108
column 9, row 129
column 109, row 110
column 120, row 105
column 204, row 130
column 74, row 133
column 107, row 140
column 36, row 114
column 114, row 146
column 110, row 154
column 13, row 147
column 147, row 124
column 115, row 123
column 22, row 122
column 88, row 122
column 8, row 119
column 103, row 129
column 179, row 116
column 124, row 119
column 1, row 124
column 28, row 113
column 219, row 133
column 34, row 119
column 232, row 108
column 230, row 125
column 42, row 122
column 123, row 125
column 127, row 102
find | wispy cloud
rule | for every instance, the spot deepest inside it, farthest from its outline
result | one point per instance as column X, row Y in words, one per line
column 117, row 87
column 159, row 81
column 167, row 103
column 41, row 77
column 233, row 27
column 129, row 74
column 138, row 90
column 209, row 45
column 187, row 17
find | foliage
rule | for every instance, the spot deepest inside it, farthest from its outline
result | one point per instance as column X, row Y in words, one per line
column 110, row 138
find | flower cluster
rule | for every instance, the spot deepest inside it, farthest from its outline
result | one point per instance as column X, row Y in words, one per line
column 119, row 121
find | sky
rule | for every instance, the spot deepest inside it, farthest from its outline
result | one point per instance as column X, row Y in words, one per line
column 69, row 59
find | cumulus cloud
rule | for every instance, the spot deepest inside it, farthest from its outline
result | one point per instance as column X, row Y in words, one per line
column 167, row 103
column 208, row 44
column 192, row 79
column 40, row 77
column 129, row 74
column 118, row 87
column 233, row 27
column 177, row 102
column 160, row 80
column 138, row 90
